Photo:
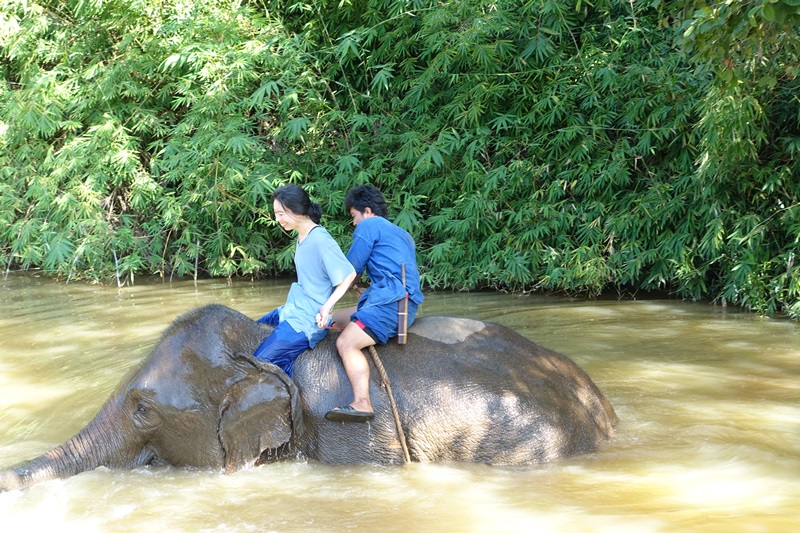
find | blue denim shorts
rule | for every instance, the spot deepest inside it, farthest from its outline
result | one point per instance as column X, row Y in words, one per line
column 380, row 321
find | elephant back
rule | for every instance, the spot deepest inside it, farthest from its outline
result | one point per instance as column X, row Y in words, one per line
column 466, row 390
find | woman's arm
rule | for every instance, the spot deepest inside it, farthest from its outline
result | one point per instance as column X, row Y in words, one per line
column 338, row 292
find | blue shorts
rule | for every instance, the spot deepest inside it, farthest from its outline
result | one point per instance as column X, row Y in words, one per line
column 380, row 321
column 282, row 347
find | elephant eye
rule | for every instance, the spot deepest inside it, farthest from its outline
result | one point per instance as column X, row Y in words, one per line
column 141, row 408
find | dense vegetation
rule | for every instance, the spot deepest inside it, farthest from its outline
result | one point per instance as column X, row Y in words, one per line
column 527, row 145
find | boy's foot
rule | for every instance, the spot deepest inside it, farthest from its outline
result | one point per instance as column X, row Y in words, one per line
column 348, row 414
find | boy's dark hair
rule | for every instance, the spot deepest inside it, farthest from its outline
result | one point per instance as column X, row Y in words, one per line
column 296, row 200
column 365, row 196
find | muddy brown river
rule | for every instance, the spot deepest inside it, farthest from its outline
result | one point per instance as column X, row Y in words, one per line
column 708, row 440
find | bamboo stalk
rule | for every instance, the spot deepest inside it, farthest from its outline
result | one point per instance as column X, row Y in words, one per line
column 116, row 268
column 196, row 259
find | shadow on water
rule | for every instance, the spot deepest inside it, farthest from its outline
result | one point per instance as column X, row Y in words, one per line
column 708, row 440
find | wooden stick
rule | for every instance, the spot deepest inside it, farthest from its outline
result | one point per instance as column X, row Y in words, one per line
column 388, row 386
column 402, row 311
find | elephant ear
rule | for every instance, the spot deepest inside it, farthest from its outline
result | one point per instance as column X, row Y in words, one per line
column 258, row 413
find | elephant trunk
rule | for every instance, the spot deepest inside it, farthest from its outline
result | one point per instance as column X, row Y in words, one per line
column 97, row 444
column 68, row 459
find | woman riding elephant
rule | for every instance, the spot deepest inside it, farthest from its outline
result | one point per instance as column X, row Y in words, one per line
column 465, row 390
column 323, row 276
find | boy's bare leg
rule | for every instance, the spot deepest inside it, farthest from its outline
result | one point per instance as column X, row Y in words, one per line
column 350, row 343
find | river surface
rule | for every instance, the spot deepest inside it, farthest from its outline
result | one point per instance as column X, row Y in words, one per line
column 708, row 439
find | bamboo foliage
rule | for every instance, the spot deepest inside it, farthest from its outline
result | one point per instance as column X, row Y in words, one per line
column 537, row 145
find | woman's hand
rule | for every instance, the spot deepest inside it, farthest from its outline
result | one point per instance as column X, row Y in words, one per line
column 323, row 317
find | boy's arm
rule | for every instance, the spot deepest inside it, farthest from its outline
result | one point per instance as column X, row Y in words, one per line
column 359, row 253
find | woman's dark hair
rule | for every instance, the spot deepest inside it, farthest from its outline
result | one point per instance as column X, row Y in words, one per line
column 296, row 200
column 365, row 196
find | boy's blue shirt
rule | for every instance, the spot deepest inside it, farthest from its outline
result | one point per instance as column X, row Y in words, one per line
column 380, row 247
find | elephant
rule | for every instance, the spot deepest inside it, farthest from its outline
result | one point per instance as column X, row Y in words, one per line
column 464, row 390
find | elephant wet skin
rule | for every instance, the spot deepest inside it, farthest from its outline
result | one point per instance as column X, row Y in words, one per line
column 465, row 390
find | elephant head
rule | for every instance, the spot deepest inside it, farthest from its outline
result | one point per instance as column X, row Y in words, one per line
column 200, row 400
